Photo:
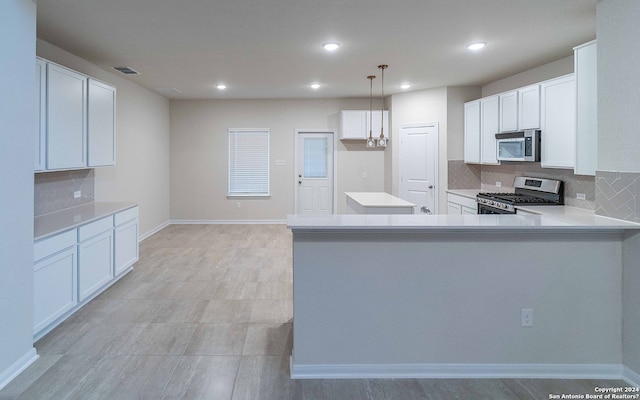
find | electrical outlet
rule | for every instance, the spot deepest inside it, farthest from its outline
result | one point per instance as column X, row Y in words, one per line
column 364, row 175
column 498, row 184
column 238, row 204
column 581, row 196
column 527, row 317
column 77, row 194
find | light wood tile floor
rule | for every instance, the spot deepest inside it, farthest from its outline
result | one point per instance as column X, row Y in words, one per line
column 206, row 314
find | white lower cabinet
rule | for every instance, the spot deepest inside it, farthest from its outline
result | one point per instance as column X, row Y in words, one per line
column 72, row 267
column 54, row 279
column 126, row 239
column 96, row 263
column 458, row 205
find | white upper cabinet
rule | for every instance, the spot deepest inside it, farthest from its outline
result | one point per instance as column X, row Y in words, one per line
column 102, row 123
column 586, row 109
column 508, row 111
column 489, row 113
column 353, row 124
column 41, row 90
column 66, row 118
column 77, row 120
column 529, row 107
column 472, row 132
column 558, row 114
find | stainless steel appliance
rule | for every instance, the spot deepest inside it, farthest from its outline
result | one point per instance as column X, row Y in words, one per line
column 519, row 146
column 528, row 191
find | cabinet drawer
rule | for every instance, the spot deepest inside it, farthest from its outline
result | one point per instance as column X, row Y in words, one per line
column 462, row 200
column 54, row 244
column 89, row 230
column 126, row 215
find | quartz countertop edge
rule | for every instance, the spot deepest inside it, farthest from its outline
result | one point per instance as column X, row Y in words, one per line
column 378, row 199
column 458, row 223
column 49, row 224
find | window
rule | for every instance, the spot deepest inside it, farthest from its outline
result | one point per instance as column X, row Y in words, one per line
column 248, row 162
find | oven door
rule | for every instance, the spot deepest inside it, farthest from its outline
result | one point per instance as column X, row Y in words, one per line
column 485, row 209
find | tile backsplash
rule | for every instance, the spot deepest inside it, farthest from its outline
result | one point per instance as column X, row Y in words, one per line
column 53, row 191
column 506, row 173
column 618, row 195
column 463, row 176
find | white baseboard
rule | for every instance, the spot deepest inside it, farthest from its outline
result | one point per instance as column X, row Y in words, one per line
column 14, row 370
column 153, row 231
column 631, row 377
column 228, row 221
column 475, row 371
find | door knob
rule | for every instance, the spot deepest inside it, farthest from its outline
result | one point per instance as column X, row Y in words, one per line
column 300, row 182
column 299, row 176
column 430, row 186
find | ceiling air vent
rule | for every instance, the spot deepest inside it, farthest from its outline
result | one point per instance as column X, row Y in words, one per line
column 127, row 70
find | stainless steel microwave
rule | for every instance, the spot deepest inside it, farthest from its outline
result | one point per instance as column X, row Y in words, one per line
column 519, row 146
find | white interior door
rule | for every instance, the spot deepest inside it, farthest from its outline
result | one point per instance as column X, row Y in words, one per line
column 314, row 178
column 419, row 166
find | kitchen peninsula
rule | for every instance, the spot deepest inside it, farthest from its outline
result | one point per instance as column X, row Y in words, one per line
column 443, row 295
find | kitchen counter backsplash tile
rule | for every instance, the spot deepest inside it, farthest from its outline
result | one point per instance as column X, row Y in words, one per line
column 618, row 195
column 53, row 191
column 463, row 176
column 573, row 184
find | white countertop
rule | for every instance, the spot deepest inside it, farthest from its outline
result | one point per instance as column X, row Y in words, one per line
column 378, row 199
column 470, row 193
column 568, row 222
column 49, row 224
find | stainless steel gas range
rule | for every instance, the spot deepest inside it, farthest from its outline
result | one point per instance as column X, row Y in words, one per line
column 528, row 191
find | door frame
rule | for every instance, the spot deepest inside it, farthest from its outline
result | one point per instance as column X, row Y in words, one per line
column 436, row 184
column 297, row 156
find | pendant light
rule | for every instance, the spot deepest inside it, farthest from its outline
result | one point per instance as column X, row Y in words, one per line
column 370, row 142
column 382, row 141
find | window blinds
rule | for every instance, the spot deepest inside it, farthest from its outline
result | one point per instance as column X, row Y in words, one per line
column 248, row 162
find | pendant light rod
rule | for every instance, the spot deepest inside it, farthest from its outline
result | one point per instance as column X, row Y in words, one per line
column 382, row 142
column 370, row 142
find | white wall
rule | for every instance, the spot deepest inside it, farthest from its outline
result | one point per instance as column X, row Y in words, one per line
column 17, row 132
column 419, row 107
column 199, row 155
column 141, row 173
column 618, row 29
column 542, row 73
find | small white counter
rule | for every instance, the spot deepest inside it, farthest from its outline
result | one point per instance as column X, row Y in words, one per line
column 377, row 203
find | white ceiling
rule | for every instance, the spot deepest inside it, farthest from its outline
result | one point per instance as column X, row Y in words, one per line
column 272, row 48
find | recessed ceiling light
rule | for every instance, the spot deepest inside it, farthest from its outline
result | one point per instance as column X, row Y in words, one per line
column 221, row 86
column 405, row 86
column 476, row 46
column 331, row 46
column 315, row 85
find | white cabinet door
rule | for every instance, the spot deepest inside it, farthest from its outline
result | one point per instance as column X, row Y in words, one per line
column 508, row 111
column 489, row 127
column 54, row 287
column 41, row 90
column 95, row 259
column 375, row 122
column 454, row 209
column 66, row 118
column 558, row 122
column 586, row 109
column 126, row 246
column 529, row 107
column 353, row 125
column 472, row 132
column 101, row 133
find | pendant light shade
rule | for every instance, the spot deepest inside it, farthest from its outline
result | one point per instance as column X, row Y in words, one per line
column 370, row 141
column 382, row 141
